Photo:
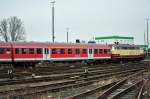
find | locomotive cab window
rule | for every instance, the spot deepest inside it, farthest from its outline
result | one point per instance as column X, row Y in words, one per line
column 84, row 51
column 24, row 51
column 39, row 51
column 62, row 51
column 105, row 51
column 31, row 50
column 16, row 50
column 54, row 51
column 124, row 48
column 95, row 51
column 77, row 51
column 1, row 50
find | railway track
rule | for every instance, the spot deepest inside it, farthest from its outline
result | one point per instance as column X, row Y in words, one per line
column 32, row 89
column 121, row 88
column 59, row 81
column 53, row 69
column 79, row 73
column 130, row 87
column 49, row 69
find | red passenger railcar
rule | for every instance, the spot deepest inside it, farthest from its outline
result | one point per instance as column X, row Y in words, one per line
column 86, row 52
column 68, row 52
column 32, row 52
column 5, row 53
column 28, row 52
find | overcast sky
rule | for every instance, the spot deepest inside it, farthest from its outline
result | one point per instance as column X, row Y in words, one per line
column 85, row 18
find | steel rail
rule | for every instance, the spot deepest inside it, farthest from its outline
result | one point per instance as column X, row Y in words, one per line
column 80, row 95
column 57, row 77
column 115, row 96
column 106, row 93
column 50, row 87
column 142, row 89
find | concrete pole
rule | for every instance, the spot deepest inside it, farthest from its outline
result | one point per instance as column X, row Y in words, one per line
column 53, row 31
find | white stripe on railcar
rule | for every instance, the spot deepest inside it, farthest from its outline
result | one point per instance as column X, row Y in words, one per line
column 5, row 60
column 28, row 59
column 81, row 58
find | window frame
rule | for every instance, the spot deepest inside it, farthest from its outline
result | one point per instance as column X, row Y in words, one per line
column 77, row 51
column 54, row 50
column 70, row 51
column 2, row 50
column 39, row 50
column 8, row 50
column 100, row 51
column 62, row 51
column 109, row 51
column 105, row 51
column 31, row 51
column 23, row 50
column 90, row 51
column 84, row 51
column 95, row 51
column 17, row 49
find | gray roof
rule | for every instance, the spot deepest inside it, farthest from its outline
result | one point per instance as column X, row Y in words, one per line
column 50, row 43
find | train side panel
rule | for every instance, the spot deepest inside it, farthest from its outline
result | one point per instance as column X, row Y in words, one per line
column 127, row 52
column 30, row 53
column 5, row 53
column 67, row 53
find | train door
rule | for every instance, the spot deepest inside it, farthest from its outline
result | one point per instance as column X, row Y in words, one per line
column 46, row 54
column 90, row 53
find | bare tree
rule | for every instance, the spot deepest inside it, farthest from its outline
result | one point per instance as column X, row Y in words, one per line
column 12, row 29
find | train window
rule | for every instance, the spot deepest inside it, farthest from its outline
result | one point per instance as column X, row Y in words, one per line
column 95, row 51
column 105, row 51
column 16, row 50
column 54, row 51
column 46, row 50
column 1, row 50
column 39, row 51
column 7, row 50
column 90, row 51
column 77, row 51
column 24, row 51
column 62, row 51
column 118, row 47
column 124, row 47
column 131, row 48
column 109, row 51
column 31, row 50
column 137, row 48
column 69, row 51
column 84, row 51
column 100, row 51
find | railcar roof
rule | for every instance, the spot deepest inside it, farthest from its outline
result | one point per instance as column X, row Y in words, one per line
column 57, row 43
column 127, row 45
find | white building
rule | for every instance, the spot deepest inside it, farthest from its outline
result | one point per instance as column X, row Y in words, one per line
column 114, row 39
